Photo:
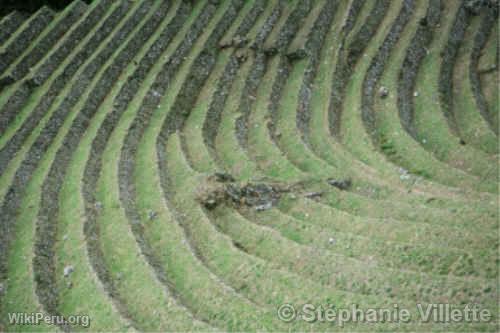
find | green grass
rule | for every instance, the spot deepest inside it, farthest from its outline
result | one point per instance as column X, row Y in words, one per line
column 287, row 9
column 433, row 131
column 396, row 143
column 473, row 127
column 39, row 91
column 53, row 23
column 6, row 178
column 385, row 240
column 85, row 282
column 261, row 149
column 230, row 156
column 489, row 81
column 297, row 243
column 20, row 294
column 28, row 208
column 123, row 255
column 191, row 132
column 191, row 136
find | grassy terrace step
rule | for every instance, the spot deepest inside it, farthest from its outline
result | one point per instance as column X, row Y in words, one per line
column 295, row 104
column 44, row 263
column 222, row 72
column 289, row 121
column 115, row 115
column 488, row 74
column 199, row 73
column 239, row 268
column 433, row 211
column 194, row 283
column 61, row 272
column 349, row 107
column 259, row 142
column 36, row 104
column 118, row 101
column 16, row 190
column 212, row 116
column 472, row 126
column 39, row 48
column 204, row 63
column 316, row 168
column 199, row 164
column 277, row 40
column 380, row 116
column 202, row 161
column 45, row 68
column 431, row 127
column 9, row 24
column 297, row 96
column 187, row 211
column 305, row 162
column 276, row 25
column 409, row 239
column 352, row 128
column 55, row 102
column 257, row 66
column 456, row 45
column 180, row 170
column 368, row 180
column 484, row 33
column 354, row 26
column 56, row 115
column 135, row 134
column 15, row 95
column 202, row 124
column 328, row 263
column 310, row 224
column 151, row 103
column 19, row 285
column 203, row 165
column 311, row 43
column 21, row 40
column 340, row 75
column 415, row 54
column 332, row 37
column 226, row 151
column 306, row 119
column 105, row 261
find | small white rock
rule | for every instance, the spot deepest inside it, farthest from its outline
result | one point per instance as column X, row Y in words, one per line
column 415, row 94
column 263, row 207
column 404, row 177
column 68, row 270
column 331, row 240
column 383, row 92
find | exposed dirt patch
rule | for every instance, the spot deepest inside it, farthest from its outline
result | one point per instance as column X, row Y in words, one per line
column 222, row 188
